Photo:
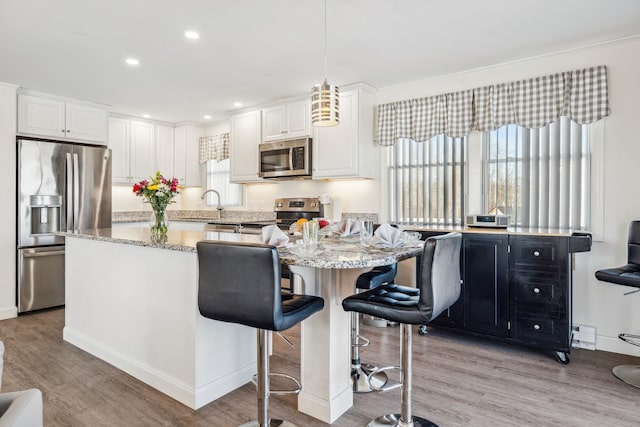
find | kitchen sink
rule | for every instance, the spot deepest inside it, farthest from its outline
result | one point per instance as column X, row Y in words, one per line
column 234, row 228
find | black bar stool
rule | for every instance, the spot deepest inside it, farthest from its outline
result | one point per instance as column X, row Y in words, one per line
column 240, row 283
column 438, row 288
column 627, row 275
column 360, row 372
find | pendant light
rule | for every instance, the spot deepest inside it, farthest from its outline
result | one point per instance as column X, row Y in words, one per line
column 325, row 102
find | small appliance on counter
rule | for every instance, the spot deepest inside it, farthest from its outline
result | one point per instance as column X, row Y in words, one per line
column 330, row 207
column 491, row 221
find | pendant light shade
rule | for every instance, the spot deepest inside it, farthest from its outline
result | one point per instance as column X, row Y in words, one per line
column 325, row 98
column 325, row 105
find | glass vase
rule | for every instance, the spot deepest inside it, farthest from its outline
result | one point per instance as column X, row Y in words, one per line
column 159, row 222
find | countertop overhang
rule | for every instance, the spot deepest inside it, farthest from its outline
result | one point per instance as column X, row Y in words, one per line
column 331, row 253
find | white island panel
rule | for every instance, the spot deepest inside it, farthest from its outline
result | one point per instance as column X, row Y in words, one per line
column 136, row 308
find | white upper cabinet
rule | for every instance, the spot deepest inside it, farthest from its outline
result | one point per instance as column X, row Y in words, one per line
column 243, row 147
column 347, row 150
column 164, row 150
column 120, row 143
column 133, row 154
column 188, row 169
column 287, row 121
column 140, row 148
column 143, row 153
column 61, row 120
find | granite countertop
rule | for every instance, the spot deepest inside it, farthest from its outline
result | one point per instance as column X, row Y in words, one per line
column 207, row 215
column 331, row 252
column 226, row 216
column 490, row 230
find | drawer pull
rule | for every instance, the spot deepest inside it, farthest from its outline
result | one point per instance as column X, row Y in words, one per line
column 536, row 290
column 536, row 327
column 536, row 253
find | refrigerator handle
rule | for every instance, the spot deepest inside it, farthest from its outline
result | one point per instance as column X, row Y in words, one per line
column 76, row 192
column 68, row 203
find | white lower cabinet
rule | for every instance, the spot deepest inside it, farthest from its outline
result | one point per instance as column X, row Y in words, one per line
column 348, row 149
column 245, row 136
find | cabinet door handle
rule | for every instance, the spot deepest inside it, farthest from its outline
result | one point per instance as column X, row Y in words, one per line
column 536, row 327
column 62, row 130
column 536, row 253
column 536, row 290
column 68, row 130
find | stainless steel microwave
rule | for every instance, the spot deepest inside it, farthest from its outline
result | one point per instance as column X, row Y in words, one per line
column 286, row 159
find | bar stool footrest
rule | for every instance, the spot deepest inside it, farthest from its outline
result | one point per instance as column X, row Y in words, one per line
column 394, row 420
column 385, row 387
column 296, row 390
column 272, row 423
column 630, row 338
column 365, row 342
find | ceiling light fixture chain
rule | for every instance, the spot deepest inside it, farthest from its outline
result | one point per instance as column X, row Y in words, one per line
column 325, row 99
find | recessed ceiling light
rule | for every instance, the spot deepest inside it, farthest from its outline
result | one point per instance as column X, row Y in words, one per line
column 237, row 104
column 191, row 35
column 132, row 61
column 146, row 116
column 207, row 117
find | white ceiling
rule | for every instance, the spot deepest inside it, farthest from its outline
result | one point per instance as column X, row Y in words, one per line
column 258, row 51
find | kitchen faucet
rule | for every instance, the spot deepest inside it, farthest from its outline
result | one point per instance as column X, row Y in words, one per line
column 217, row 194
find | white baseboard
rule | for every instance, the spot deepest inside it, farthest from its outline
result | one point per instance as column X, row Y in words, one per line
column 616, row 345
column 183, row 393
column 8, row 312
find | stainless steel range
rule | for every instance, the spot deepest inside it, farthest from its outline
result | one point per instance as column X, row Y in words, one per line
column 290, row 210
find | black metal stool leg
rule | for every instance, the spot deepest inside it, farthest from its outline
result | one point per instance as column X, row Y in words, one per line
column 263, row 386
column 359, row 371
column 405, row 418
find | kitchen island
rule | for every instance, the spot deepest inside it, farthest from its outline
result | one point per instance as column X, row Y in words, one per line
column 133, row 303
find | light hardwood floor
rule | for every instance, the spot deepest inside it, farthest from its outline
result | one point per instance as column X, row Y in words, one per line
column 458, row 381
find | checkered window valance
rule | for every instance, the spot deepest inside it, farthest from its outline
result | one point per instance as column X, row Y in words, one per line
column 215, row 147
column 581, row 95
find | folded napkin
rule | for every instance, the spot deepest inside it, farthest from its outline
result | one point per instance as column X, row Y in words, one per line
column 349, row 227
column 272, row 235
column 387, row 236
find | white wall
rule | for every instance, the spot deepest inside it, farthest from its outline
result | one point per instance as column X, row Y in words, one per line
column 8, row 102
column 595, row 303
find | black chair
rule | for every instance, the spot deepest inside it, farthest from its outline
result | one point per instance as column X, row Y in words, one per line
column 627, row 275
column 240, row 283
column 438, row 288
column 360, row 372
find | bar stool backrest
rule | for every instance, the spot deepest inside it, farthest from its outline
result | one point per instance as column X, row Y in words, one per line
column 240, row 283
column 634, row 243
column 439, row 278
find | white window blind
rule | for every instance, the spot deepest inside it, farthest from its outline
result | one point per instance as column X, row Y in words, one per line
column 427, row 181
column 541, row 177
column 218, row 178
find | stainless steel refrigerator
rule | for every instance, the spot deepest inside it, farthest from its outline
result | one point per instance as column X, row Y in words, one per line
column 61, row 186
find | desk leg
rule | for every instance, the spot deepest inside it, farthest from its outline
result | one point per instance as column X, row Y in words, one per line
column 325, row 361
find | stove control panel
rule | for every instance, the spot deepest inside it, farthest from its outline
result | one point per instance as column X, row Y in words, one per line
column 305, row 204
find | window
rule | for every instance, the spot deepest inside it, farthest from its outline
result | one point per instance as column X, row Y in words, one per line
column 541, row 177
column 427, row 181
column 218, row 178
